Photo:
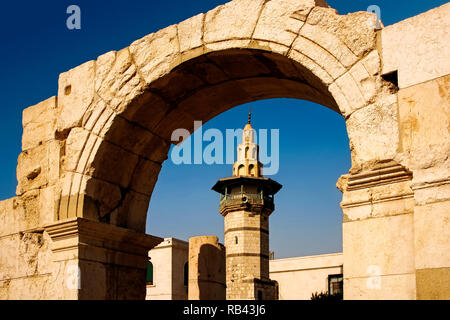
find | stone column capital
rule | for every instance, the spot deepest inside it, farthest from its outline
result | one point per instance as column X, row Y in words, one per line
column 84, row 239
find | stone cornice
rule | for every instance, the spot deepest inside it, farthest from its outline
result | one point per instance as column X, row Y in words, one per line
column 370, row 201
column 96, row 241
column 100, row 231
column 430, row 184
column 385, row 174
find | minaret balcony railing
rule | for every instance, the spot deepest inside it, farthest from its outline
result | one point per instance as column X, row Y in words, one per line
column 246, row 199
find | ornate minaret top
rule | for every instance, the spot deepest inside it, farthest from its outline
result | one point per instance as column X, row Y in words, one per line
column 247, row 183
column 247, row 163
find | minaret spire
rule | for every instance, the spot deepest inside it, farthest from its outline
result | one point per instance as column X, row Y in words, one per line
column 249, row 115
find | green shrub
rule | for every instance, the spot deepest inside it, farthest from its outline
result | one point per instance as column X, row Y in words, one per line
column 325, row 296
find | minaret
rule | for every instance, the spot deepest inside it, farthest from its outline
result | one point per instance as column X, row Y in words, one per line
column 246, row 202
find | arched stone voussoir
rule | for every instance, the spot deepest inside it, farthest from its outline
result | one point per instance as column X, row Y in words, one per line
column 145, row 176
column 330, row 43
column 377, row 123
column 355, row 30
column 362, row 85
column 137, row 140
column 132, row 212
column 156, row 54
column 85, row 196
column 234, row 20
column 320, row 56
column 280, row 21
column 85, row 152
column 99, row 200
column 120, row 82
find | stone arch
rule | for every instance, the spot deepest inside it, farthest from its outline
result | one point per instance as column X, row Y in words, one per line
column 110, row 127
column 128, row 102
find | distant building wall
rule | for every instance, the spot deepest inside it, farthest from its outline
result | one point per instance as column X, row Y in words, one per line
column 168, row 259
column 298, row 278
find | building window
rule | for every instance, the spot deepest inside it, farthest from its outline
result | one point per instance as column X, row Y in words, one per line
column 186, row 274
column 335, row 284
column 149, row 277
column 236, row 240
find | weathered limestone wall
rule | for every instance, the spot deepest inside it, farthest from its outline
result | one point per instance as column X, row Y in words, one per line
column 298, row 278
column 378, row 234
column 26, row 269
column 418, row 49
column 206, row 269
column 76, row 259
column 396, row 217
column 425, row 120
column 424, row 38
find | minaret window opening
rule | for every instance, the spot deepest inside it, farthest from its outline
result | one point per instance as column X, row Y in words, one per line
column 251, row 170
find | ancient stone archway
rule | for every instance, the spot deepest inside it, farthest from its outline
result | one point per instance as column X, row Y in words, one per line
column 136, row 97
column 89, row 168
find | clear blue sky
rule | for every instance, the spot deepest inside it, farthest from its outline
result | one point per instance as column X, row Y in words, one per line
column 314, row 149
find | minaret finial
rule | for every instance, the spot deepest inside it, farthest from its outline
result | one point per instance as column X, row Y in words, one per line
column 249, row 115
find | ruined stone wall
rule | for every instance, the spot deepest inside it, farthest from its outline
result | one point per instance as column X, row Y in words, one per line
column 27, row 270
column 206, row 269
column 424, row 117
column 396, row 217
